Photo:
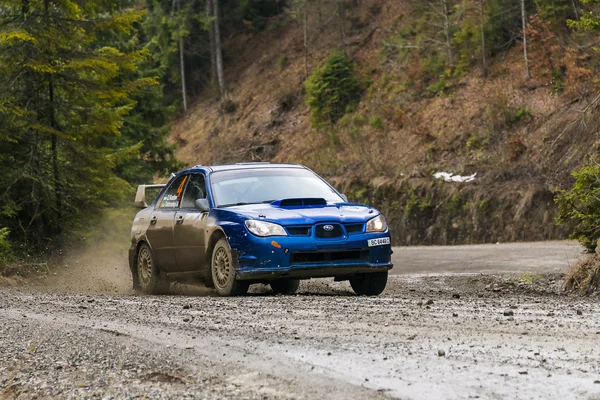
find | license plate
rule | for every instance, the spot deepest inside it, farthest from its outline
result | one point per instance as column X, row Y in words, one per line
column 379, row 242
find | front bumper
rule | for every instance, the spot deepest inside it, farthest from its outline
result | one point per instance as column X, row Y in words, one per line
column 309, row 271
column 282, row 257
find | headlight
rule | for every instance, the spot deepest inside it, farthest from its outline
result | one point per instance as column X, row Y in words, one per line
column 262, row 228
column 377, row 224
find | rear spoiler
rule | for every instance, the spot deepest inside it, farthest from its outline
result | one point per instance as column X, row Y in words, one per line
column 140, row 195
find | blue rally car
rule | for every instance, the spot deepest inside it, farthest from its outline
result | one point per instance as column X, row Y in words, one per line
column 235, row 225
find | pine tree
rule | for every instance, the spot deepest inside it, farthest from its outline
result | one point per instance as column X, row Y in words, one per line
column 177, row 36
column 588, row 20
column 66, row 94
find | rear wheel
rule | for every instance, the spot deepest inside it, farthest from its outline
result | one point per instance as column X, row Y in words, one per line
column 147, row 272
column 285, row 286
column 371, row 284
column 223, row 271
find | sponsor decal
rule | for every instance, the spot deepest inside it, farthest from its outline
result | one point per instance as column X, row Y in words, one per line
column 180, row 189
column 173, row 200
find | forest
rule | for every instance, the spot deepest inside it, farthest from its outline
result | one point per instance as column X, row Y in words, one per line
column 91, row 90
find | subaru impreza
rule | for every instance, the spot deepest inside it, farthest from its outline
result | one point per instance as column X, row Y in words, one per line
column 237, row 225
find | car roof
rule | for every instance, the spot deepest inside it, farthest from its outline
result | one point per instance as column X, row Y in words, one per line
column 250, row 165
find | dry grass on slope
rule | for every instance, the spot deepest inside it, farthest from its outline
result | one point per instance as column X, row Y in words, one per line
column 520, row 138
column 584, row 277
column 490, row 126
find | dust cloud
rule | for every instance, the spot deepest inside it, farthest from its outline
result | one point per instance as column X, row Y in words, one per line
column 100, row 268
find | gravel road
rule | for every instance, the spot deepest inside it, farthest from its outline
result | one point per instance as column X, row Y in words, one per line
column 430, row 335
column 539, row 257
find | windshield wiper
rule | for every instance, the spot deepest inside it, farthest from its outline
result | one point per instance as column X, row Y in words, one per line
column 245, row 204
column 235, row 204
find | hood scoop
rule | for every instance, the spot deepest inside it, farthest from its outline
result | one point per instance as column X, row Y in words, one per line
column 301, row 202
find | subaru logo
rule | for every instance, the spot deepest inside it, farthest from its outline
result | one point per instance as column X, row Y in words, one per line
column 328, row 228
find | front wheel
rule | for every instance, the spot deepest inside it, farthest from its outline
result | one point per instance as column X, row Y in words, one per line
column 285, row 286
column 223, row 271
column 371, row 284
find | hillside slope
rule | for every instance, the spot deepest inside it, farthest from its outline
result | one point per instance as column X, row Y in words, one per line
column 521, row 140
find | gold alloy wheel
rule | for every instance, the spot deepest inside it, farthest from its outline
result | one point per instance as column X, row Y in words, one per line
column 222, row 266
column 144, row 267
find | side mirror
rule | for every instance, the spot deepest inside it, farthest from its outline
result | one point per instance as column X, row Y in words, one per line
column 202, row 205
column 344, row 197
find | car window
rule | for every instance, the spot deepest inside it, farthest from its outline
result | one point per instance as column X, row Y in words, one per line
column 257, row 185
column 195, row 189
column 172, row 197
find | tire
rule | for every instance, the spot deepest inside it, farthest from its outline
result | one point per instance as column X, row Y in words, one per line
column 223, row 271
column 371, row 284
column 147, row 277
column 285, row 286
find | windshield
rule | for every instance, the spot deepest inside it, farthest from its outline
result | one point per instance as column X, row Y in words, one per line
column 264, row 185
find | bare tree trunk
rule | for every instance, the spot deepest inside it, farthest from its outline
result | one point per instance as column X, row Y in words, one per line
column 575, row 10
column 182, row 66
column 181, row 57
column 182, row 69
column 524, row 23
column 447, row 33
column 341, row 21
column 320, row 12
column 481, row 22
column 305, row 18
column 54, row 146
column 211, row 39
column 218, row 50
column 55, row 166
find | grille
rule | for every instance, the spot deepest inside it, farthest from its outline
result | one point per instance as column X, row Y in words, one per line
column 354, row 228
column 316, row 257
column 336, row 232
column 298, row 230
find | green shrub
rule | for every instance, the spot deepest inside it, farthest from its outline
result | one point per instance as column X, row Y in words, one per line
column 5, row 249
column 415, row 205
column 513, row 116
column 522, row 113
column 476, row 142
column 436, row 88
column 467, row 40
column 580, row 206
column 434, row 67
column 376, row 122
column 333, row 90
column 283, row 61
column 457, row 204
column 359, row 120
column 557, row 86
column 483, row 205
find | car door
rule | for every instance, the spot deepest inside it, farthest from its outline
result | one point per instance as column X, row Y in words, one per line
column 162, row 221
column 190, row 226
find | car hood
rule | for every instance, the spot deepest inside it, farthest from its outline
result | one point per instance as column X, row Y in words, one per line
column 340, row 212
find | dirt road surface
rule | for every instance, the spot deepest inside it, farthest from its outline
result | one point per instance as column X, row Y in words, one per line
column 540, row 257
column 441, row 331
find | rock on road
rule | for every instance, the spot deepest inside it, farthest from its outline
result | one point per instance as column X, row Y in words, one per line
column 430, row 335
